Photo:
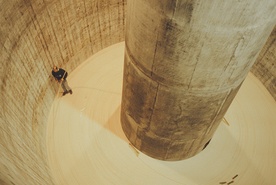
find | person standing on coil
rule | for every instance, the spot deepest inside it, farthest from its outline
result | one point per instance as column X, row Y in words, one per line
column 60, row 76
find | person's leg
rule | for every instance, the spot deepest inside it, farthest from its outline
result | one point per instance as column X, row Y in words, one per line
column 63, row 87
column 66, row 86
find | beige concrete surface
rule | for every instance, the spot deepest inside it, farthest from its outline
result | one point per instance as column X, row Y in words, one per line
column 34, row 36
column 86, row 144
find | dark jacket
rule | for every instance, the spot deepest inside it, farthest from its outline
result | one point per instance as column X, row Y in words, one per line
column 61, row 73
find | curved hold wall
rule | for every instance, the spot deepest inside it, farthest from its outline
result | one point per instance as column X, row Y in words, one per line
column 35, row 35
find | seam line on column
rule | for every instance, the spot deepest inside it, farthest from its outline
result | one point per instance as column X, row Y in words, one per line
column 153, row 107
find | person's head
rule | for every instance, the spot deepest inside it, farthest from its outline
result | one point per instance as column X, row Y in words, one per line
column 55, row 68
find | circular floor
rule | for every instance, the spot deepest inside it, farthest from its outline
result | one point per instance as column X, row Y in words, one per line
column 87, row 146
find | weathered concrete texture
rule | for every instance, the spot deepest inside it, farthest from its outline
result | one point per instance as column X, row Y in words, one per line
column 184, row 63
column 265, row 66
column 34, row 35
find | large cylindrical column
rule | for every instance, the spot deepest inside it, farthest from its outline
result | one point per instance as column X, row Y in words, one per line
column 184, row 63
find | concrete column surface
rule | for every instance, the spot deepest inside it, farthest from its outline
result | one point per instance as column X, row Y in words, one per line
column 265, row 66
column 184, row 63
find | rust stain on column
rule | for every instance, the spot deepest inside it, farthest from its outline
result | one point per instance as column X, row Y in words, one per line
column 184, row 63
